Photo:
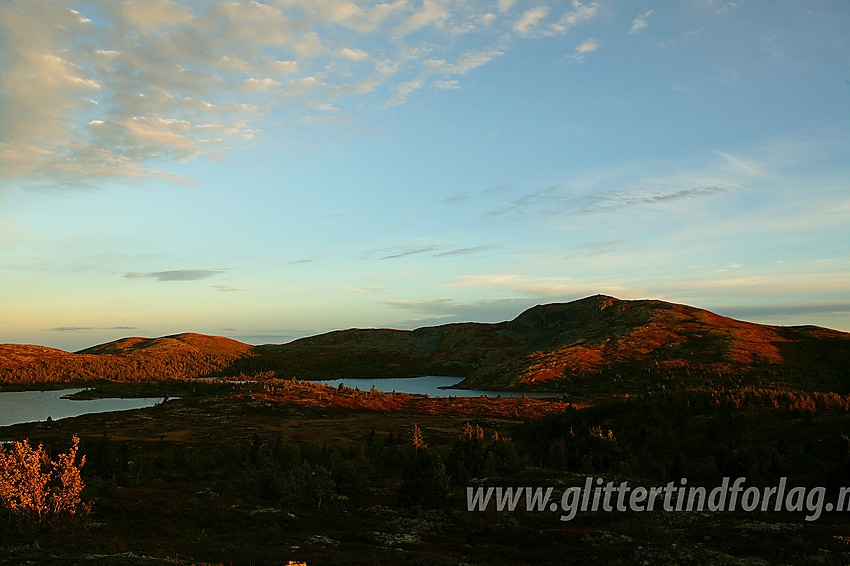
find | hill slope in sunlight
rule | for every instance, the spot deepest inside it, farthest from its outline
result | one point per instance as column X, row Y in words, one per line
column 180, row 356
column 598, row 344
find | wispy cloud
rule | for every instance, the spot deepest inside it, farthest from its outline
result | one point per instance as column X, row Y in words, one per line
column 176, row 275
column 600, row 246
column 444, row 310
column 559, row 200
column 439, row 305
column 640, row 22
column 530, row 19
column 544, row 287
column 467, row 196
column 766, row 311
column 398, row 252
column 583, row 48
column 466, row 251
column 535, row 22
column 616, row 200
column 87, row 328
column 370, row 290
column 117, row 89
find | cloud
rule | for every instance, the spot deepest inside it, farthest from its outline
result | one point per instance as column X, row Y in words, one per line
column 274, row 336
column 640, row 22
column 177, row 274
column 466, row 62
column 532, row 24
column 258, row 85
column 432, row 13
column 398, row 252
column 771, row 311
column 725, row 7
column 87, row 328
column 585, row 47
column 466, row 251
column 371, row 290
column 562, row 288
column 744, row 167
column 119, row 90
column 580, row 13
column 558, row 200
column 446, row 85
column 595, row 247
column 445, row 310
column 441, row 302
column 151, row 14
column 353, row 54
column 464, row 197
column 530, row 19
column 616, row 200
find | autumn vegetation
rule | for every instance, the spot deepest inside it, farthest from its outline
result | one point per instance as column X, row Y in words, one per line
column 37, row 492
column 594, row 346
column 282, row 469
column 288, row 470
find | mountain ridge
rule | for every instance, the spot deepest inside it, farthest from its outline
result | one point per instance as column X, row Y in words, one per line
column 598, row 342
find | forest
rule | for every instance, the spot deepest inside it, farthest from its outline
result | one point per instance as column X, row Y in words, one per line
column 251, row 473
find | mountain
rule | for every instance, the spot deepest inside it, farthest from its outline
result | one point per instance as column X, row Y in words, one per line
column 179, row 356
column 177, row 344
column 598, row 344
column 594, row 344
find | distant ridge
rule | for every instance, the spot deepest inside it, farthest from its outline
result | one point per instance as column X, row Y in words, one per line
column 180, row 356
column 186, row 342
column 595, row 344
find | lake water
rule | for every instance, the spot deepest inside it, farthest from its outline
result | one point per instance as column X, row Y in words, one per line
column 30, row 406
column 428, row 385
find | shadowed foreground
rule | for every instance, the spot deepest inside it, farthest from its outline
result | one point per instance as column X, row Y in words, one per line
column 265, row 474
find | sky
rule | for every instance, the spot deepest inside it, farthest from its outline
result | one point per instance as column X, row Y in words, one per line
column 277, row 169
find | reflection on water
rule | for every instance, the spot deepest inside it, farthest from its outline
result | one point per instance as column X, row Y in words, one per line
column 427, row 385
column 30, row 406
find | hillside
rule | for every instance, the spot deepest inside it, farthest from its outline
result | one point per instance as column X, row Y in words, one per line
column 649, row 343
column 595, row 344
column 598, row 344
column 180, row 356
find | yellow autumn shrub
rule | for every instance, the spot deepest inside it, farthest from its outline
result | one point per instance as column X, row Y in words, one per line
column 35, row 490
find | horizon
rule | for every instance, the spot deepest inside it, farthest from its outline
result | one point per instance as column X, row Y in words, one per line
column 266, row 171
column 175, row 334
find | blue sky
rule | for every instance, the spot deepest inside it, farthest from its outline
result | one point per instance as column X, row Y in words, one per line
column 270, row 170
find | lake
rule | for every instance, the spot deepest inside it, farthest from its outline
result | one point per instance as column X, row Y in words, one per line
column 30, row 406
column 427, row 385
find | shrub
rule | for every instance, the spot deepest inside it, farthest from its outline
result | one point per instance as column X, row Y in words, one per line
column 36, row 491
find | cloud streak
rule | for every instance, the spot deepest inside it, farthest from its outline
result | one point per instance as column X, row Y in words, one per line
column 177, row 275
column 785, row 310
column 558, row 200
column 397, row 252
column 87, row 328
column 466, row 251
